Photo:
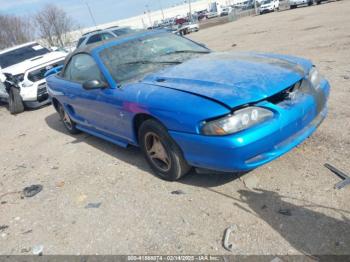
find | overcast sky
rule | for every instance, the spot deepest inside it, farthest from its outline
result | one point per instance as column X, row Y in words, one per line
column 103, row 10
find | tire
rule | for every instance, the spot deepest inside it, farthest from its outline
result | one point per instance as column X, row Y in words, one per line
column 67, row 121
column 310, row 3
column 161, row 152
column 15, row 101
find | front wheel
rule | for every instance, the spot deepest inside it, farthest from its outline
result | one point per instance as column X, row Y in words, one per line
column 67, row 121
column 15, row 101
column 161, row 152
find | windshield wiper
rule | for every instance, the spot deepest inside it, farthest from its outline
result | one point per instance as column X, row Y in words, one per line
column 151, row 62
column 187, row 51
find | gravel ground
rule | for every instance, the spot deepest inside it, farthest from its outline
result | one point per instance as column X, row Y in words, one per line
column 138, row 212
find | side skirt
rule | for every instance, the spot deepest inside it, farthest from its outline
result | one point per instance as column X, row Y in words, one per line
column 113, row 140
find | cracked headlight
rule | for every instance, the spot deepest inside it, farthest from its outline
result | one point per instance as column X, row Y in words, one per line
column 239, row 120
column 315, row 77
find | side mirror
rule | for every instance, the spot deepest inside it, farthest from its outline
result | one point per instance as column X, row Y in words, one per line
column 94, row 84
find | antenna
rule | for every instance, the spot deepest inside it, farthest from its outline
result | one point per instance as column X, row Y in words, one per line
column 90, row 12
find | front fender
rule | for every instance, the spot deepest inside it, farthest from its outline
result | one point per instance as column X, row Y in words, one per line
column 177, row 110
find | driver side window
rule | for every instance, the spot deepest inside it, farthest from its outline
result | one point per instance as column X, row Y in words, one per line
column 81, row 68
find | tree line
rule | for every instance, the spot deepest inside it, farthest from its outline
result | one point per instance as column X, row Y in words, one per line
column 51, row 24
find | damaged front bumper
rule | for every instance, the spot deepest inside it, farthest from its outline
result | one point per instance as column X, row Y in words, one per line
column 294, row 121
column 35, row 95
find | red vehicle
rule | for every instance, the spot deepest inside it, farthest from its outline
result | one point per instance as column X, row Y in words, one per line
column 181, row 21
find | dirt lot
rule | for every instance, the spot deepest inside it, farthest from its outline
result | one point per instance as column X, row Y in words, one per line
column 139, row 214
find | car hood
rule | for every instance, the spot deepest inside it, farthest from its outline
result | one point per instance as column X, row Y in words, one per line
column 233, row 79
column 26, row 65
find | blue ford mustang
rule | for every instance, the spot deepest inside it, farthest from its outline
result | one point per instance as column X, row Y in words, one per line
column 186, row 106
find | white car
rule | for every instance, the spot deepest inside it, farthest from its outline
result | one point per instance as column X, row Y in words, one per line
column 28, row 63
column 294, row 3
column 269, row 6
column 187, row 28
column 101, row 35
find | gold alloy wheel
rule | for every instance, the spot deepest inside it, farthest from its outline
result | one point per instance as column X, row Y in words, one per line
column 157, row 152
column 65, row 118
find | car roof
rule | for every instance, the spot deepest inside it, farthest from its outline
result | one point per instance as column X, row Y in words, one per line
column 134, row 35
column 92, row 32
column 105, row 30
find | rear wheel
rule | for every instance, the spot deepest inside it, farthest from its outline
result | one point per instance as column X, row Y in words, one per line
column 15, row 101
column 161, row 152
column 68, row 123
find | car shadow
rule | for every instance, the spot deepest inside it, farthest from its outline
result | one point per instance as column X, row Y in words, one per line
column 133, row 156
column 309, row 231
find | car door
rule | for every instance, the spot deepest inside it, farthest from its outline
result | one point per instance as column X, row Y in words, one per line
column 81, row 102
column 98, row 108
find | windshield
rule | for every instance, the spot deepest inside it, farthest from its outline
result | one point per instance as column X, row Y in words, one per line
column 266, row 2
column 134, row 59
column 19, row 55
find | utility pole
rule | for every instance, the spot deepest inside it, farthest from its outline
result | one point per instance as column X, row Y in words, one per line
column 190, row 8
column 161, row 8
column 256, row 8
column 91, row 15
column 149, row 15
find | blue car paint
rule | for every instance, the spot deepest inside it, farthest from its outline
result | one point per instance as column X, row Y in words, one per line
column 233, row 79
column 258, row 145
column 195, row 91
column 53, row 71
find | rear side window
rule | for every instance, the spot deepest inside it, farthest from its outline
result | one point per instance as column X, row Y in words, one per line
column 94, row 39
column 81, row 68
column 81, row 40
column 105, row 36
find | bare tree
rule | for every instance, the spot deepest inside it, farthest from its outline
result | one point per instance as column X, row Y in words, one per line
column 14, row 31
column 54, row 25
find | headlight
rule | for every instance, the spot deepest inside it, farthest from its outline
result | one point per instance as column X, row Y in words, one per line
column 315, row 77
column 240, row 120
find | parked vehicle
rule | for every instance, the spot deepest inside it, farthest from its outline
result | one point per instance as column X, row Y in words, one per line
column 225, row 11
column 269, row 6
column 101, row 35
column 187, row 28
column 211, row 15
column 28, row 63
column 295, row 3
column 180, row 21
column 187, row 106
column 201, row 15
